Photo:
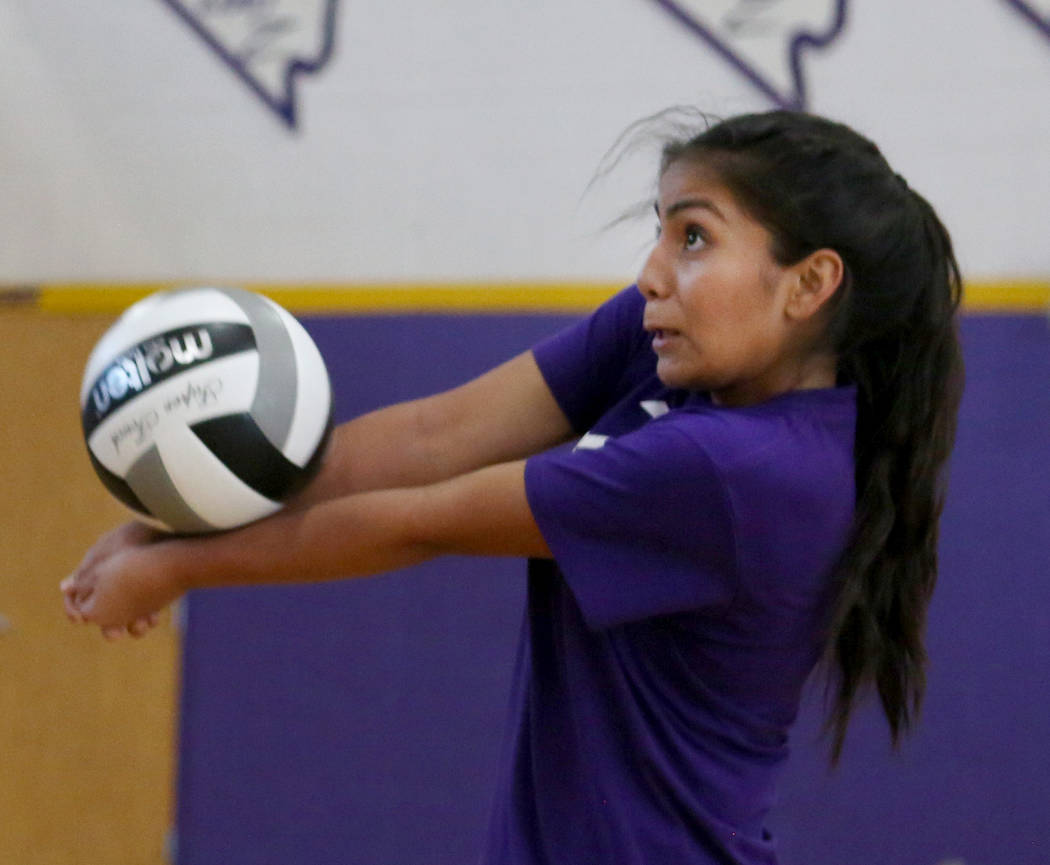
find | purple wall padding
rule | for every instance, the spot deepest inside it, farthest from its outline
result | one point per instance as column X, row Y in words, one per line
column 359, row 723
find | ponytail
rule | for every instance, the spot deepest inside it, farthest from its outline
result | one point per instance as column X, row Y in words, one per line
column 909, row 384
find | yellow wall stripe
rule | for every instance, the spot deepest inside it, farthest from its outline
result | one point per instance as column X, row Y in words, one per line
column 362, row 298
column 1013, row 296
column 1018, row 296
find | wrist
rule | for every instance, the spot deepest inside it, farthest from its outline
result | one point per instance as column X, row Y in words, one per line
column 184, row 564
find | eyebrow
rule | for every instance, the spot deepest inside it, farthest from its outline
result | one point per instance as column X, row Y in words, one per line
column 689, row 204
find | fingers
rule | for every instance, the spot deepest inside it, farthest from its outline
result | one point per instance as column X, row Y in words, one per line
column 112, row 588
column 75, row 613
column 141, row 627
column 76, row 588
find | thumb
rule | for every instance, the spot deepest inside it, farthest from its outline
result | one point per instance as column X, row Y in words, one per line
column 72, row 612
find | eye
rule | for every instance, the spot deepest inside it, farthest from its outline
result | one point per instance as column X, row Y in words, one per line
column 659, row 230
column 694, row 237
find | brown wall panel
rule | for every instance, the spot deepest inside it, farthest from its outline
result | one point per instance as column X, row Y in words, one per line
column 86, row 727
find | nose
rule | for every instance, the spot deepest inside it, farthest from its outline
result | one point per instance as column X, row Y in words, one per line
column 655, row 280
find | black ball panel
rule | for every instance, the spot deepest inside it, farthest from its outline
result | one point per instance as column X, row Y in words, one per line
column 244, row 449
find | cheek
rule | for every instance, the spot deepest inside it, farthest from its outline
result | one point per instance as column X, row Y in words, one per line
column 753, row 299
column 736, row 327
column 724, row 305
column 728, row 293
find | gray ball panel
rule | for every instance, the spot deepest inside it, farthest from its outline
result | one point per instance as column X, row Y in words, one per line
column 275, row 396
column 150, row 482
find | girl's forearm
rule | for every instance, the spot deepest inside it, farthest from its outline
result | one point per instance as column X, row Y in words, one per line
column 350, row 536
column 484, row 512
column 504, row 415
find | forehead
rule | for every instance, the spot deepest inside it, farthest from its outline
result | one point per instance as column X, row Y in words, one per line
column 692, row 180
column 687, row 181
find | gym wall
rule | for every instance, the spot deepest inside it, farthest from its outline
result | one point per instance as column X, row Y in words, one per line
column 430, row 162
column 456, row 141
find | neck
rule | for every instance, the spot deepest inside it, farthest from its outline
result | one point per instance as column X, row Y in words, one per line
column 814, row 372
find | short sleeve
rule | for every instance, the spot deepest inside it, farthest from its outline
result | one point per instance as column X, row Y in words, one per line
column 641, row 527
column 585, row 364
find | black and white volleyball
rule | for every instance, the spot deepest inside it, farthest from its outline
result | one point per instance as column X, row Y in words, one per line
column 205, row 408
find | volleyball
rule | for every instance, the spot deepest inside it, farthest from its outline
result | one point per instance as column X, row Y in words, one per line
column 205, row 408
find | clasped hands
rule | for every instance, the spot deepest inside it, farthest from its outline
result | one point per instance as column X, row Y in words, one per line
column 123, row 582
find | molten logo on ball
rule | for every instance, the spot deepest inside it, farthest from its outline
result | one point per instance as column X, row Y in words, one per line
column 159, row 358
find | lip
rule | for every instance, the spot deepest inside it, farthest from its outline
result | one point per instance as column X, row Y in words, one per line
column 661, row 336
column 662, row 339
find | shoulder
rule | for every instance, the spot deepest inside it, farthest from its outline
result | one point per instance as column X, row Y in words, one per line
column 801, row 425
column 589, row 365
column 788, row 462
column 766, row 456
column 787, row 470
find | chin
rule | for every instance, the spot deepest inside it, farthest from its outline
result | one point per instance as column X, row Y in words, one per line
column 680, row 379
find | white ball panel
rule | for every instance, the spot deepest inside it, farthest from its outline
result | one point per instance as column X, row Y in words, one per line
column 313, row 394
column 223, row 386
column 156, row 314
column 211, row 490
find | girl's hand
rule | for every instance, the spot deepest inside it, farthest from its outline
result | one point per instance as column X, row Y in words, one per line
column 123, row 582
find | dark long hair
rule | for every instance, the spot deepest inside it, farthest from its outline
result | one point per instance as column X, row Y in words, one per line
column 817, row 184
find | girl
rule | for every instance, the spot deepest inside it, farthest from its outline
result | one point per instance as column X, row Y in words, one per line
column 765, row 421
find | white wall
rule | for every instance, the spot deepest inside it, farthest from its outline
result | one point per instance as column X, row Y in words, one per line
column 454, row 139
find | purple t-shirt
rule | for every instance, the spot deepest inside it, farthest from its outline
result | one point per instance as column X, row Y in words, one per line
column 666, row 646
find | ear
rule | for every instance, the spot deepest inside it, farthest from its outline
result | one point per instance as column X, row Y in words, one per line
column 818, row 275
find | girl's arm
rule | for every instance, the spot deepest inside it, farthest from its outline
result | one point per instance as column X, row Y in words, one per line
column 506, row 414
column 484, row 512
